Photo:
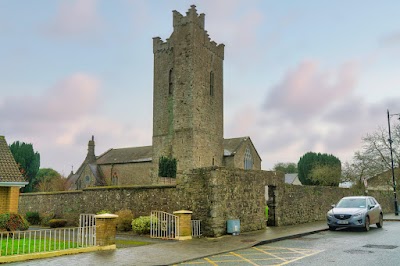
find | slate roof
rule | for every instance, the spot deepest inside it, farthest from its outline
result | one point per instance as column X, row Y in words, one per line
column 126, row 155
column 145, row 153
column 231, row 146
column 97, row 174
column 9, row 171
column 289, row 178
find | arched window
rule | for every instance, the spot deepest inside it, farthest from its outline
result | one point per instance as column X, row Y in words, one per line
column 171, row 81
column 114, row 179
column 87, row 179
column 212, row 83
column 248, row 160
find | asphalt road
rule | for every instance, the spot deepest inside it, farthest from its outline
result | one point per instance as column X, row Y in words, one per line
column 341, row 247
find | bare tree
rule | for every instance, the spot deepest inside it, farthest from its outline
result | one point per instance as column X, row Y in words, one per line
column 374, row 158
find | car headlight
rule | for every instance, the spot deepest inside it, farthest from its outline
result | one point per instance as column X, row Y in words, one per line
column 358, row 215
column 329, row 214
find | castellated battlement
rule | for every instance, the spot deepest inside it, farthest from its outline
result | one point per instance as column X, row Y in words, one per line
column 217, row 49
column 191, row 18
column 161, row 46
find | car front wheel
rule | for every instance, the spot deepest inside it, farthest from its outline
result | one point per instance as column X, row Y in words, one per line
column 380, row 223
column 366, row 226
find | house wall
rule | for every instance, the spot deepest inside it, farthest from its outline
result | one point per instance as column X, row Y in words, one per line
column 4, row 199
column 128, row 173
column 9, row 197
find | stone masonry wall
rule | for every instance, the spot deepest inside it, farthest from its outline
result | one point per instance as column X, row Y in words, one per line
column 237, row 194
column 303, row 204
column 214, row 194
column 140, row 199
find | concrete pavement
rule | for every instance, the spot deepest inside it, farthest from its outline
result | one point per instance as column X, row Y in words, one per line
column 173, row 252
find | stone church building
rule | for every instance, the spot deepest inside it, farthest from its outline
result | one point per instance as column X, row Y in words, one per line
column 187, row 115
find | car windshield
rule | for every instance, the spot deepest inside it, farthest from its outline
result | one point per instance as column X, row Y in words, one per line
column 351, row 203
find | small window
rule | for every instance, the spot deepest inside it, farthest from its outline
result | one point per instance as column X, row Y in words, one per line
column 212, row 83
column 248, row 160
column 87, row 179
column 171, row 81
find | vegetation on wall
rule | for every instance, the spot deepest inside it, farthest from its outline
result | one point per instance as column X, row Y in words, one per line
column 319, row 169
column 167, row 167
column 28, row 162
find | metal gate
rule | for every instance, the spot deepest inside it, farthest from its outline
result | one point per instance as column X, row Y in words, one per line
column 164, row 225
column 87, row 229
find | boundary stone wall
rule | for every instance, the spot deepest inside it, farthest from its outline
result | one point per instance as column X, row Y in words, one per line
column 214, row 194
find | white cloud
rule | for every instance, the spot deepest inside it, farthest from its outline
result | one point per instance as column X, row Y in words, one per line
column 311, row 109
column 75, row 18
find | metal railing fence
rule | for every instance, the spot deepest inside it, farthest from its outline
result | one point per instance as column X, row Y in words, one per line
column 45, row 240
column 196, row 228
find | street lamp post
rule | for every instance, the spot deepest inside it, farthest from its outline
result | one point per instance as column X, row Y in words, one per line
column 396, row 212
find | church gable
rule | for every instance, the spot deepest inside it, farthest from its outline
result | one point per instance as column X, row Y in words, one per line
column 241, row 153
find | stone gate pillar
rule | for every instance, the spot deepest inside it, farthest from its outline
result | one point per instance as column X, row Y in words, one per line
column 105, row 229
column 185, row 224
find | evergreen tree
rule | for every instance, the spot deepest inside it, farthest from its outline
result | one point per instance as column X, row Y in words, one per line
column 28, row 162
column 319, row 169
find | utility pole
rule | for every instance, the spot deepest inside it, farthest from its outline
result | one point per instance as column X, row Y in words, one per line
column 396, row 212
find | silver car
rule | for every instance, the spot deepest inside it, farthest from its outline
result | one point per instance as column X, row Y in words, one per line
column 361, row 211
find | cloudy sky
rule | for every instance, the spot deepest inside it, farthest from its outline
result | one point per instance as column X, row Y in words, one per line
column 299, row 76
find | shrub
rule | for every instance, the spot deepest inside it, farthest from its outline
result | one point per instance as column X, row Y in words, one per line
column 124, row 220
column 167, row 167
column 32, row 217
column 46, row 217
column 55, row 223
column 13, row 222
column 141, row 225
column 103, row 212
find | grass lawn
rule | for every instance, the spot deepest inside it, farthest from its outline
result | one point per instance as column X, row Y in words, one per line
column 32, row 245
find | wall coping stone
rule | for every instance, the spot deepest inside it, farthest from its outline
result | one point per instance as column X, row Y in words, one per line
column 51, row 193
column 182, row 212
column 129, row 187
column 106, row 216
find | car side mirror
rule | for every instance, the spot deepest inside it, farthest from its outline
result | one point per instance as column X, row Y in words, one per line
column 371, row 207
column 333, row 206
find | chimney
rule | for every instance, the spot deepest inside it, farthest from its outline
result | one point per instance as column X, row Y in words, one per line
column 90, row 157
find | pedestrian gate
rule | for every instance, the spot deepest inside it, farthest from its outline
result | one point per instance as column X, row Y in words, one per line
column 164, row 225
column 87, row 229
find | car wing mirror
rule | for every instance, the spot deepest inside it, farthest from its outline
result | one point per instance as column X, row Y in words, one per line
column 333, row 206
column 371, row 207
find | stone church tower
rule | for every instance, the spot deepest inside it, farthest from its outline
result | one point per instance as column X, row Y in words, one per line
column 188, row 95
